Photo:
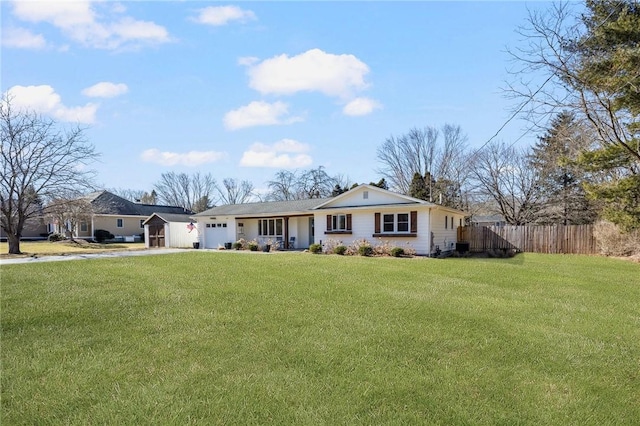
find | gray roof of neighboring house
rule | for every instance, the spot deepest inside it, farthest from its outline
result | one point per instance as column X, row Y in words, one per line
column 104, row 202
column 172, row 217
column 269, row 207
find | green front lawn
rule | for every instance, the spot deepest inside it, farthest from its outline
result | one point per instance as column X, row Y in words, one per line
column 291, row 338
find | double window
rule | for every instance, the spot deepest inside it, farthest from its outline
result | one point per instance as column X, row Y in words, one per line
column 396, row 224
column 270, row 227
column 339, row 223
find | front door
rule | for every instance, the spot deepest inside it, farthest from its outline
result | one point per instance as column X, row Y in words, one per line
column 311, row 231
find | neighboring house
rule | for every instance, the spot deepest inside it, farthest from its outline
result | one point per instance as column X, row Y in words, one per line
column 490, row 220
column 121, row 217
column 365, row 212
column 34, row 229
column 169, row 230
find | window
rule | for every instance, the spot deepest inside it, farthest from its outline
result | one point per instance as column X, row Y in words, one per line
column 365, row 195
column 396, row 224
column 120, row 223
column 403, row 222
column 388, row 223
column 270, row 227
column 83, row 226
column 446, row 222
column 338, row 223
column 142, row 223
column 451, row 222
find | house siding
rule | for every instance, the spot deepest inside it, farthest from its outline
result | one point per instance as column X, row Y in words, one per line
column 445, row 237
column 130, row 224
column 177, row 235
column 363, row 227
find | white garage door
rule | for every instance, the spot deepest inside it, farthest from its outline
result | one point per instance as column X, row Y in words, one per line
column 215, row 235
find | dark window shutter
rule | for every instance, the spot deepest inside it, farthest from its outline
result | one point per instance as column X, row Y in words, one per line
column 329, row 222
column 414, row 222
column 348, row 221
column 377, row 223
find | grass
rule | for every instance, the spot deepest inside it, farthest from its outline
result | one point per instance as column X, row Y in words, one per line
column 48, row 248
column 225, row 338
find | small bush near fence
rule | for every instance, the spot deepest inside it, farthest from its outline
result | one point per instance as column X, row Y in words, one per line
column 612, row 242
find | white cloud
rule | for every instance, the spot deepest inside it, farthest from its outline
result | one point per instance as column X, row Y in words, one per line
column 80, row 21
column 44, row 100
column 22, row 39
column 105, row 89
column 361, row 106
column 311, row 71
column 247, row 60
column 277, row 155
column 259, row 113
column 222, row 15
column 190, row 159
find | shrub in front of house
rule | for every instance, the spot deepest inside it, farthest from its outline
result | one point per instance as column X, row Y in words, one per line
column 101, row 235
column 341, row 250
column 315, row 248
column 56, row 237
column 253, row 246
column 397, row 252
column 365, row 250
column 237, row 245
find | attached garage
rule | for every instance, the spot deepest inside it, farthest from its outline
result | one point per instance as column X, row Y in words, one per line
column 169, row 230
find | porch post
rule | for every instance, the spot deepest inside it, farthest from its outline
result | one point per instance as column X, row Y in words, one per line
column 286, row 232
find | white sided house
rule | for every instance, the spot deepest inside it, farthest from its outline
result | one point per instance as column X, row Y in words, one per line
column 365, row 212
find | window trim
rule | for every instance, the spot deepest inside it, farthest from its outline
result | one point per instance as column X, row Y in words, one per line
column 119, row 222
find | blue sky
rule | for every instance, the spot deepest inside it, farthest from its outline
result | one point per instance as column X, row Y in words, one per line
column 243, row 90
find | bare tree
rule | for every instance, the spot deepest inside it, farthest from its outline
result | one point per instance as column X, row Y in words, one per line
column 235, row 192
column 439, row 157
column 300, row 185
column 39, row 163
column 315, row 183
column 69, row 214
column 133, row 195
column 505, row 175
column 403, row 156
column 283, row 186
column 192, row 192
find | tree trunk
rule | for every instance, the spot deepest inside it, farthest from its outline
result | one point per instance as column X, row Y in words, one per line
column 14, row 244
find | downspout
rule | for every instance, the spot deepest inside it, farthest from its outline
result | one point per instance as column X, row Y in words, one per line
column 429, row 234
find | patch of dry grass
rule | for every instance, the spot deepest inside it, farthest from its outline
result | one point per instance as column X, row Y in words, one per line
column 48, row 248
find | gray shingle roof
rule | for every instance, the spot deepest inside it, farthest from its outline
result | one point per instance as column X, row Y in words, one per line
column 104, row 202
column 261, row 208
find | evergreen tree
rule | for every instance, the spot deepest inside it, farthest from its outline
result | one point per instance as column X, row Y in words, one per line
column 561, row 178
column 337, row 190
column 418, row 187
column 608, row 63
column 382, row 183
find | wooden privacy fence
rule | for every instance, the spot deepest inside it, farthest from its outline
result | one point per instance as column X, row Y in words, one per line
column 576, row 239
